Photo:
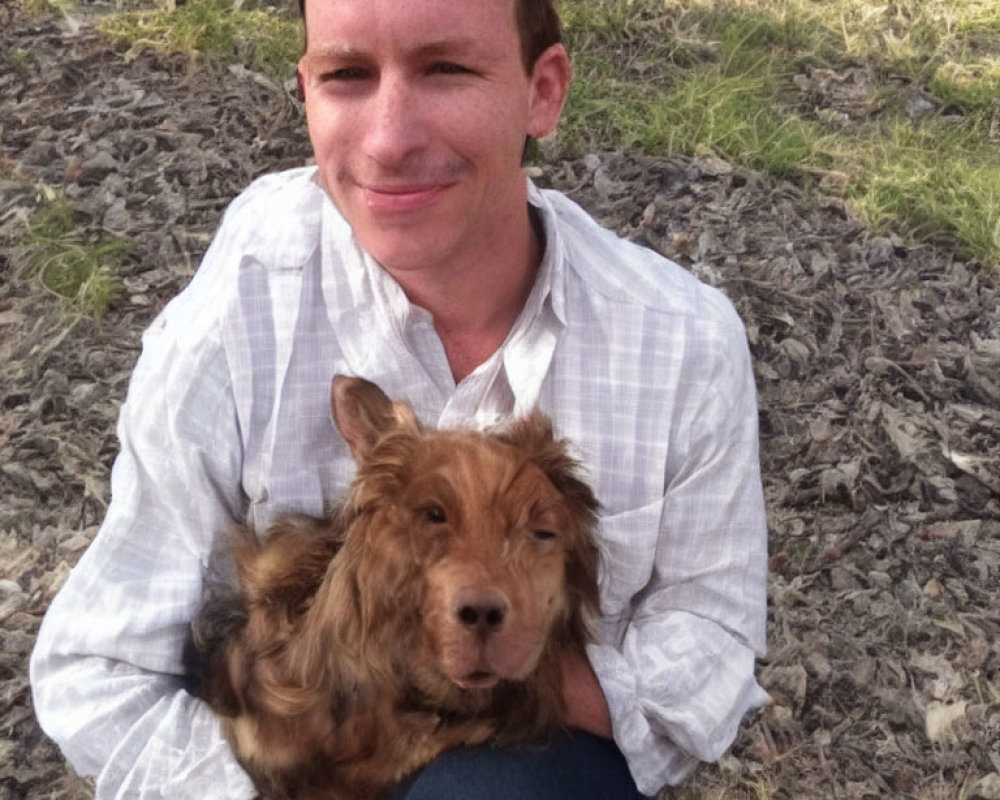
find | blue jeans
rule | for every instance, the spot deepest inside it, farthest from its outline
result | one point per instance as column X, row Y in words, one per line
column 575, row 765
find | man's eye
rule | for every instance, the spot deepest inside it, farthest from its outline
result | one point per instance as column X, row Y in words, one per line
column 448, row 68
column 543, row 535
column 342, row 74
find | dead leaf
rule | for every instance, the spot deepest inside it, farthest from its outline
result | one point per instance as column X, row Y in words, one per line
column 942, row 719
column 984, row 470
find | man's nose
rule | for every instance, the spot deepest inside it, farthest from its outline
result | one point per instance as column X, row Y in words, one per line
column 394, row 128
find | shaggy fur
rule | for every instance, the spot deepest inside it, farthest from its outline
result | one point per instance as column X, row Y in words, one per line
column 428, row 612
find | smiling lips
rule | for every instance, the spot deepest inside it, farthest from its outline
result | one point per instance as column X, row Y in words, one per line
column 399, row 199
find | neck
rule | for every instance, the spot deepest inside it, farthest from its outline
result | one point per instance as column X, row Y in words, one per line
column 474, row 303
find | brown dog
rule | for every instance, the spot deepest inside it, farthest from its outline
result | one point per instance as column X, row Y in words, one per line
column 428, row 612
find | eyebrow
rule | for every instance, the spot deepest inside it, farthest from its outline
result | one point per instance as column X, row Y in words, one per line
column 456, row 46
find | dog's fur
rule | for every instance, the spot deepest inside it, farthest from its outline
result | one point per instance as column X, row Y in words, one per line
column 428, row 612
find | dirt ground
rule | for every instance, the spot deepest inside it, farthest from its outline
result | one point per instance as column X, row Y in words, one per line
column 878, row 363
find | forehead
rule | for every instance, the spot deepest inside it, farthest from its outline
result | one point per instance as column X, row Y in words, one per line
column 368, row 24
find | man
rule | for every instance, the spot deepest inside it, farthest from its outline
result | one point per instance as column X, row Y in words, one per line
column 416, row 254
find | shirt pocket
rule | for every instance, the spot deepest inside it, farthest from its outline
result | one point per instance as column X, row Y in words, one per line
column 627, row 542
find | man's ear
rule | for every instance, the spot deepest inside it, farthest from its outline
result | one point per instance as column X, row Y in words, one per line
column 550, row 79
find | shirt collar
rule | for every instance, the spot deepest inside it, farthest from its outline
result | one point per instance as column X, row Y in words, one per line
column 527, row 351
column 363, row 288
column 551, row 281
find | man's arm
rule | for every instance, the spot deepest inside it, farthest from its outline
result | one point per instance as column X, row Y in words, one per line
column 682, row 676
column 106, row 667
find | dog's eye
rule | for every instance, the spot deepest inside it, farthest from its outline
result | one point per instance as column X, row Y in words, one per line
column 543, row 535
column 434, row 513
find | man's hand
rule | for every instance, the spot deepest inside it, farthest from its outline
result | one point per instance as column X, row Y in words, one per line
column 585, row 704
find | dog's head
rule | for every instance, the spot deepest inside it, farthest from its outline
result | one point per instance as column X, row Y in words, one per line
column 472, row 553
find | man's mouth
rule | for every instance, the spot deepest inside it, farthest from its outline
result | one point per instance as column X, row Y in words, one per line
column 399, row 199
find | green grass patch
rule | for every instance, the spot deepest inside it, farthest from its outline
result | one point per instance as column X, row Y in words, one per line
column 20, row 60
column 726, row 77
column 973, row 86
column 956, row 193
column 720, row 96
column 265, row 39
column 733, row 117
column 71, row 261
column 36, row 8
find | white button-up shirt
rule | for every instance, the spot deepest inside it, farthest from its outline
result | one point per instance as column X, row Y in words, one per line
column 644, row 369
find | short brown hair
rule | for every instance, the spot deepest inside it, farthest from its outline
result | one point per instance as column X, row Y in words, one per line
column 538, row 28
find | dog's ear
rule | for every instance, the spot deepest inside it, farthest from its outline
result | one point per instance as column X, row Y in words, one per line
column 363, row 413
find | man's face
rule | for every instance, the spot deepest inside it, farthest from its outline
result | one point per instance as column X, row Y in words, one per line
column 417, row 112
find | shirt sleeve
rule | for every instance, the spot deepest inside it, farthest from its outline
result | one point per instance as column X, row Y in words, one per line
column 682, row 676
column 106, row 669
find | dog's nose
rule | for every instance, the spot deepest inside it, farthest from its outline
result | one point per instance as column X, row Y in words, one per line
column 483, row 612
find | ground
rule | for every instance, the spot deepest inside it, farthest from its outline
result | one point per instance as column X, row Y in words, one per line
column 878, row 365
